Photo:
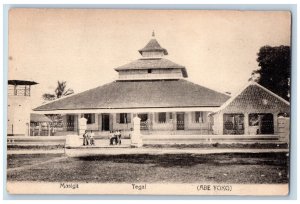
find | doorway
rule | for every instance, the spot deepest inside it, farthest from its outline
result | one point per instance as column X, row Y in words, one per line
column 105, row 122
column 266, row 125
column 180, row 121
column 70, row 122
column 262, row 122
column 144, row 121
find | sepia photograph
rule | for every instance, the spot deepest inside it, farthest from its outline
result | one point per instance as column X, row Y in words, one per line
column 149, row 102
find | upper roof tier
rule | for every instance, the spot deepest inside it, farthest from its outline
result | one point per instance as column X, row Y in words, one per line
column 152, row 63
column 153, row 46
column 152, row 66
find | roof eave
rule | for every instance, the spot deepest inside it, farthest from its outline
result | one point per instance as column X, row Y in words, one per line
column 184, row 72
column 21, row 82
column 152, row 50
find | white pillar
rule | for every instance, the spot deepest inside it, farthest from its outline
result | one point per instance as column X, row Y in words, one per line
column 136, row 138
column 77, row 140
column 82, row 126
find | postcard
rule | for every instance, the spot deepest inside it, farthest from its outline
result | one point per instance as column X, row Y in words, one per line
column 150, row 102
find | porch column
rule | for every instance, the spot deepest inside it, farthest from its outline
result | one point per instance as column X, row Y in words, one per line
column 76, row 128
column 275, row 122
column 99, row 121
column 186, row 121
column 174, row 122
column 39, row 133
column 49, row 129
column 151, row 121
column 246, row 123
column 111, row 121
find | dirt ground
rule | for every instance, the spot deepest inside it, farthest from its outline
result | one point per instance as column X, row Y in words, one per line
column 268, row 168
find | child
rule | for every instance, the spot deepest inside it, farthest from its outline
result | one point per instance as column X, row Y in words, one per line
column 85, row 138
column 111, row 138
column 119, row 137
column 92, row 140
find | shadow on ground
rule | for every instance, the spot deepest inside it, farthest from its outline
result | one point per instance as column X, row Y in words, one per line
column 168, row 168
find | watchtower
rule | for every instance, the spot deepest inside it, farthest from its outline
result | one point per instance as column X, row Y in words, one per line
column 19, row 107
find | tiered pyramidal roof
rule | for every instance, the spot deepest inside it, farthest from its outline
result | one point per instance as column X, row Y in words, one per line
column 149, row 82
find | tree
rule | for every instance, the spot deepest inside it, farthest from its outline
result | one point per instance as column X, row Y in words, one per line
column 60, row 91
column 275, row 70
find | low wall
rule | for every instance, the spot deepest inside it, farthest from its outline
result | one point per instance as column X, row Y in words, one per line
column 155, row 139
column 36, row 140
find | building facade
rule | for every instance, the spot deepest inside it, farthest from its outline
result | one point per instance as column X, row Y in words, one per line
column 156, row 90
column 253, row 111
column 152, row 87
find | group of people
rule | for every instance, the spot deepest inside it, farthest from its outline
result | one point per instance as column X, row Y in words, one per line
column 88, row 138
column 115, row 137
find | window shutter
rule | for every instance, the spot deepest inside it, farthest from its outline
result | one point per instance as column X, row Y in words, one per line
column 193, row 117
column 128, row 117
column 93, row 118
column 118, row 117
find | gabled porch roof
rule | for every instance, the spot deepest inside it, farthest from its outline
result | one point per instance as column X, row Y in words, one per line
column 255, row 96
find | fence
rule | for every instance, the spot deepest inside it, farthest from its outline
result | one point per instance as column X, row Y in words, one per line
column 50, row 128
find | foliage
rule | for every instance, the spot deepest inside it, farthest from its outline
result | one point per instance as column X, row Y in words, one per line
column 275, row 69
column 60, row 91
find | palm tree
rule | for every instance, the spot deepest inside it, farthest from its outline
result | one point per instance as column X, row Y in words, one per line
column 60, row 91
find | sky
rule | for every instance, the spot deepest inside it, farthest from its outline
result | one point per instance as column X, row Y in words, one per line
column 83, row 46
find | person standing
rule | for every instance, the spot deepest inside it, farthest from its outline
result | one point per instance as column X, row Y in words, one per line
column 85, row 138
column 119, row 137
column 92, row 140
column 111, row 138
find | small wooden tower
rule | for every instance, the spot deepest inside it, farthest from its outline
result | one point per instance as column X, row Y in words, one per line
column 18, row 110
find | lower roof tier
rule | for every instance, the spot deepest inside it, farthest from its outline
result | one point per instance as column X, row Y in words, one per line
column 140, row 94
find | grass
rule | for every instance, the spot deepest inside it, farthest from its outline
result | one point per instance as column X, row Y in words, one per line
column 35, row 147
column 183, row 168
column 22, row 160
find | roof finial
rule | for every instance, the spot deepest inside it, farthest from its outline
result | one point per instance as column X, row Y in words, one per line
column 153, row 34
